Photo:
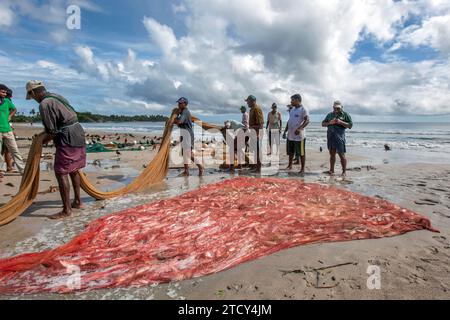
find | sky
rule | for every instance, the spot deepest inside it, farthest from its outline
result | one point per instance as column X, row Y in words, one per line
column 378, row 57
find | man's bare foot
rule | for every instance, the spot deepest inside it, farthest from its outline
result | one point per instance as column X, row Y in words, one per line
column 302, row 172
column 61, row 215
column 77, row 205
column 289, row 168
column 344, row 175
column 184, row 174
column 201, row 172
column 331, row 173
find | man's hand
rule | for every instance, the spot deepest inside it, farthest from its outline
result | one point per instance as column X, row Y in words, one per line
column 47, row 139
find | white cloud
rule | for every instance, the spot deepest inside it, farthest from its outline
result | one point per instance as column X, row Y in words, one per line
column 6, row 15
column 134, row 106
column 51, row 14
column 162, row 35
column 434, row 32
column 284, row 47
column 178, row 8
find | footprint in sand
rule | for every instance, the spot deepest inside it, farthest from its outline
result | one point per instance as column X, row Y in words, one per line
column 442, row 240
column 427, row 202
column 438, row 189
column 433, row 250
column 442, row 214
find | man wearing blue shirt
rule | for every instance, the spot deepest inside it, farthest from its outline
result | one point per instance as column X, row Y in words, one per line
column 184, row 122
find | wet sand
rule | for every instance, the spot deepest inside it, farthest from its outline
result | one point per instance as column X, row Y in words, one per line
column 413, row 266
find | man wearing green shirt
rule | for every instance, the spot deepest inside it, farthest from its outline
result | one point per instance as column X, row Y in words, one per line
column 337, row 122
column 7, row 112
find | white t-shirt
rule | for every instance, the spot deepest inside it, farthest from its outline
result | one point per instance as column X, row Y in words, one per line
column 296, row 119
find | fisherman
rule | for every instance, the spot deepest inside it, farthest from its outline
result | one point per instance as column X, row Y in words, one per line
column 285, row 136
column 337, row 122
column 256, row 122
column 246, row 127
column 298, row 121
column 184, row 122
column 274, row 124
column 7, row 112
column 5, row 152
column 245, row 118
column 236, row 127
column 61, row 125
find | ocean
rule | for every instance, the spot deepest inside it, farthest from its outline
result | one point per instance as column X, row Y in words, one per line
column 421, row 136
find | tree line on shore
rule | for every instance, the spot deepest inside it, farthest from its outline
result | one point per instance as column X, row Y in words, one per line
column 90, row 117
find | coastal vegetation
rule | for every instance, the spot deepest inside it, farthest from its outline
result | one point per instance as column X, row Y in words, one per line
column 86, row 117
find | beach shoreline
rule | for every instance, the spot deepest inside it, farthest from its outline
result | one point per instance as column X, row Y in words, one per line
column 414, row 265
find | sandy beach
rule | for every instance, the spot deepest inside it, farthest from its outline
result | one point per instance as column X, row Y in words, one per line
column 413, row 266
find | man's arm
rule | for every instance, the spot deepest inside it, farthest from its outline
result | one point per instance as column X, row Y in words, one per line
column 327, row 121
column 182, row 117
column 281, row 121
column 12, row 113
column 344, row 124
column 49, row 122
column 260, row 115
column 305, row 123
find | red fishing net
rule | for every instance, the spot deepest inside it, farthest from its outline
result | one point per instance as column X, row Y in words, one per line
column 202, row 232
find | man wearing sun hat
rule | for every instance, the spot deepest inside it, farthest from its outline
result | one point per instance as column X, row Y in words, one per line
column 61, row 125
column 337, row 122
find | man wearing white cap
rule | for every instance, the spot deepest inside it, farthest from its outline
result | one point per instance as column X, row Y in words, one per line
column 61, row 125
column 337, row 122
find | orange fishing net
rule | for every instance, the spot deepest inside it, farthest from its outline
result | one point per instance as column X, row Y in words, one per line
column 202, row 232
column 155, row 172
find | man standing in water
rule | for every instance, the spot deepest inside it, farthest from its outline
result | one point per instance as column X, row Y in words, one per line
column 184, row 122
column 61, row 125
column 298, row 121
column 337, row 122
